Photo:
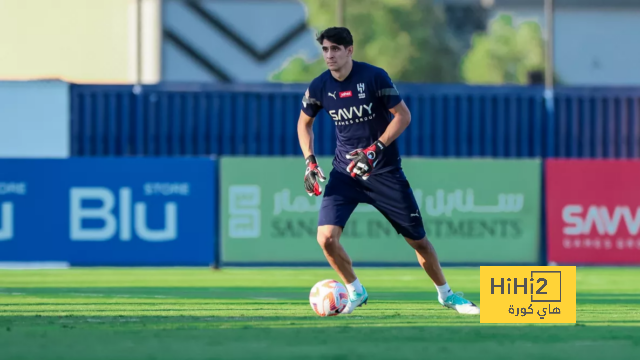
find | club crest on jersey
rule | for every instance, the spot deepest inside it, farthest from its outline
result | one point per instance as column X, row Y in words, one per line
column 345, row 94
column 361, row 94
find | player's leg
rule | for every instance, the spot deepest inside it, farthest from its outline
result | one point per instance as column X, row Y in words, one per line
column 329, row 240
column 428, row 259
column 393, row 197
column 342, row 195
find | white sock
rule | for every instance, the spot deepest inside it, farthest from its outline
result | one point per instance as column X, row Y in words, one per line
column 444, row 291
column 355, row 286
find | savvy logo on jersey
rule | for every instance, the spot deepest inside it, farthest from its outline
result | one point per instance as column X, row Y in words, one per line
column 358, row 112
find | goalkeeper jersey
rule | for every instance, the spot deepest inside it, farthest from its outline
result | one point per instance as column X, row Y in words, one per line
column 359, row 107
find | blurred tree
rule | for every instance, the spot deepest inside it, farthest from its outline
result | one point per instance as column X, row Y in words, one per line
column 407, row 38
column 504, row 54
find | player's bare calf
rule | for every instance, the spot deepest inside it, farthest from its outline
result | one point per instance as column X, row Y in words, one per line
column 329, row 240
column 428, row 259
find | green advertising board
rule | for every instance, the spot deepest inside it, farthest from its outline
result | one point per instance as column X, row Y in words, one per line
column 475, row 212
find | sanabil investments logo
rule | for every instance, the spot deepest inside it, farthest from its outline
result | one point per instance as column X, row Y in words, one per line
column 244, row 211
column 123, row 217
column 7, row 207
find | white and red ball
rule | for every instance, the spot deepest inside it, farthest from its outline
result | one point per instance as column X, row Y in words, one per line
column 328, row 298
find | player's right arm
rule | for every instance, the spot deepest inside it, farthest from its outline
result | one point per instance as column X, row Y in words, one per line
column 305, row 133
column 310, row 108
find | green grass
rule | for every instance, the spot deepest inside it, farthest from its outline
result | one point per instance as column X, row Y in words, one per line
column 264, row 314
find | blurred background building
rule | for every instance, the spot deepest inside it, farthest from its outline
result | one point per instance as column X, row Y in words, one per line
column 593, row 39
column 254, row 41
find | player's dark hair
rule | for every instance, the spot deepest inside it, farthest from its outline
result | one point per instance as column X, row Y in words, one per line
column 337, row 35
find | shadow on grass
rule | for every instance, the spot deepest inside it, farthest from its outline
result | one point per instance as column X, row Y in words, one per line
column 237, row 337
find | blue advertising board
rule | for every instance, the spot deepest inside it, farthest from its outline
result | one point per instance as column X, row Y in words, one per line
column 109, row 211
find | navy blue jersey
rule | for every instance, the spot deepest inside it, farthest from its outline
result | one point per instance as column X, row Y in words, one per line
column 359, row 106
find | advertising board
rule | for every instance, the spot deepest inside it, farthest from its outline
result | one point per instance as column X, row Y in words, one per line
column 108, row 211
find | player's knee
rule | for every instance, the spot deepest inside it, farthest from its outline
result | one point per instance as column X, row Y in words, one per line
column 328, row 238
column 420, row 245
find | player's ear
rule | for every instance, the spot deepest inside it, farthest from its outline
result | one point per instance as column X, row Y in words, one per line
column 350, row 50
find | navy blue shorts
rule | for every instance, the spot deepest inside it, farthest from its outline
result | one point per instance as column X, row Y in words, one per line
column 389, row 192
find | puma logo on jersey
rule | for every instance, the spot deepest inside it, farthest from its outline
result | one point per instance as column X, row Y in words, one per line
column 346, row 114
column 416, row 214
column 333, row 95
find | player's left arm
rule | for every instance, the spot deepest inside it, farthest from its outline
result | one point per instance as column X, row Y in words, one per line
column 364, row 160
column 401, row 120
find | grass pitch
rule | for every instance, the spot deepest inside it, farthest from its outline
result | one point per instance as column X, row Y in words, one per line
column 115, row 314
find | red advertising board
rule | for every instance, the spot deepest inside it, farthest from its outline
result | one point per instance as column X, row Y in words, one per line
column 593, row 212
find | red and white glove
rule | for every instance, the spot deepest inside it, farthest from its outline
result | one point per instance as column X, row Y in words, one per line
column 312, row 175
column 364, row 160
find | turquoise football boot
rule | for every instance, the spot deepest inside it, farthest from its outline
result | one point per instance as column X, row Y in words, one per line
column 356, row 300
column 460, row 304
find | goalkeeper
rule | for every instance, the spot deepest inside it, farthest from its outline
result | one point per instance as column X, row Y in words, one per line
column 369, row 115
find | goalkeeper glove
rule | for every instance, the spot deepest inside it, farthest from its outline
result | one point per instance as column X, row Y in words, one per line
column 312, row 175
column 364, row 160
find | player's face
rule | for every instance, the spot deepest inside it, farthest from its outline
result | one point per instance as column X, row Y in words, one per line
column 335, row 56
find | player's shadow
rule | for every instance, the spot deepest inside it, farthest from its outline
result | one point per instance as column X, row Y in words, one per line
column 288, row 337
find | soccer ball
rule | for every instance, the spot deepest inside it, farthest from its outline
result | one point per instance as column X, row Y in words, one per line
column 328, row 298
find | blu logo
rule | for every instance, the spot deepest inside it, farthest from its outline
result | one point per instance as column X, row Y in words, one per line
column 6, row 208
column 78, row 213
column 6, row 221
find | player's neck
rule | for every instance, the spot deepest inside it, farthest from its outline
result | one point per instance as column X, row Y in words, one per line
column 343, row 72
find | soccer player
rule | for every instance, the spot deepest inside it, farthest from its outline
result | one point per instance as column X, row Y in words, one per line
column 369, row 115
